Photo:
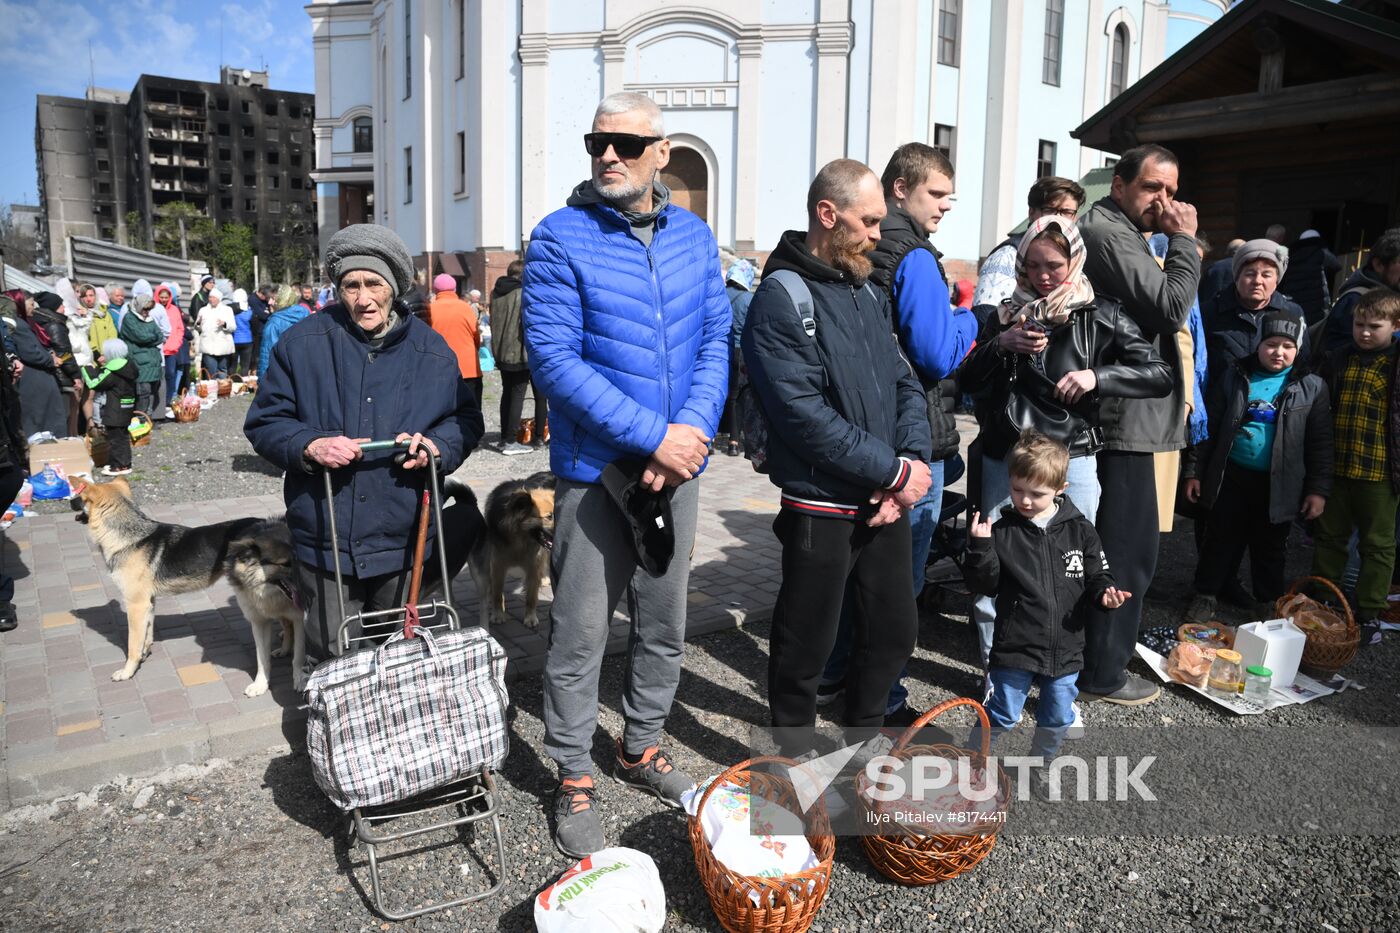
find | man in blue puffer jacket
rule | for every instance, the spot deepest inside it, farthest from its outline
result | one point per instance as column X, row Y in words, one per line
column 626, row 327
column 363, row 368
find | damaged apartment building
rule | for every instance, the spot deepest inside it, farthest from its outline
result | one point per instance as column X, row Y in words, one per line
column 237, row 151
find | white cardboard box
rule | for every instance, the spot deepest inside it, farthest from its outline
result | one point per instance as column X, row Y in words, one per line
column 1276, row 644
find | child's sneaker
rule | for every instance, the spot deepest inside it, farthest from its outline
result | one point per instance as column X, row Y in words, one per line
column 1076, row 728
column 1040, row 785
column 108, row 471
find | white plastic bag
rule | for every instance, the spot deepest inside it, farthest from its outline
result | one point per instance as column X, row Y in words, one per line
column 611, row 891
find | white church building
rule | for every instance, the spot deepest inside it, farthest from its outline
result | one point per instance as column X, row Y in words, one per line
column 459, row 123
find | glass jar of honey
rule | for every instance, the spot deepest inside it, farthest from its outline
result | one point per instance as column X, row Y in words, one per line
column 1226, row 679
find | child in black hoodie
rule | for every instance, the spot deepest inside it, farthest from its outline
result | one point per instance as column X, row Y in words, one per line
column 116, row 376
column 1039, row 560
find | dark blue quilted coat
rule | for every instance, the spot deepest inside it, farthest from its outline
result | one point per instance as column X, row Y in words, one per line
column 623, row 339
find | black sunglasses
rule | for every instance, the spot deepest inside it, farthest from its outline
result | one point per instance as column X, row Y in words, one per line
column 626, row 145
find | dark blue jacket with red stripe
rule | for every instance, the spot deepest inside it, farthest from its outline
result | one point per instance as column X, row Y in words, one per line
column 843, row 406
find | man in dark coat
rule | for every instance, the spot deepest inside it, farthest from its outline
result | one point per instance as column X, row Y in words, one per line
column 849, row 446
column 934, row 336
column 363, row 368
column 1158, row 298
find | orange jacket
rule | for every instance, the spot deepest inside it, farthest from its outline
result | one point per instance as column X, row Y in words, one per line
column 456, row 320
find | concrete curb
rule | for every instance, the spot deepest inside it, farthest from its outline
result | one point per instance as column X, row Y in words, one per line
column 45, row 778
column 41, row 779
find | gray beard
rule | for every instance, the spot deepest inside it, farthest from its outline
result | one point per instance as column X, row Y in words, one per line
column 624, row 196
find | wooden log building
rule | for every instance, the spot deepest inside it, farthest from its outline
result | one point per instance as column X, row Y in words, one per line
column 1283, row 111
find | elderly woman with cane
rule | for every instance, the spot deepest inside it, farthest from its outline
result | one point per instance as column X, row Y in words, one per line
column 363, row 368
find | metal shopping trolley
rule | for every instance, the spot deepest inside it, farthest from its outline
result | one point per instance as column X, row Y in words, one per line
column 450, row 808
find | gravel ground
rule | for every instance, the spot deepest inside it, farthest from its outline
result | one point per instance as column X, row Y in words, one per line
column 252, row 845
column 211, row 459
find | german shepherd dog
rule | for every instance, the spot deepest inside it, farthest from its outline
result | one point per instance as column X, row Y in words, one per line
column 148, row 559
column 519, row 533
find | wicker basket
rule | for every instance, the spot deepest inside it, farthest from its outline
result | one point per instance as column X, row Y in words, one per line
column 1327, row 651
column 225, row 388
column 141, row 421
column 792, row 901
column 909, row 853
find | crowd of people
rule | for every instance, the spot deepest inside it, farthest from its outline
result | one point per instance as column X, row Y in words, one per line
column 1114, row 386
column 50, row 340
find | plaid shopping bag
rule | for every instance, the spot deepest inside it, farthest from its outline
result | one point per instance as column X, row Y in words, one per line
column 387, row 724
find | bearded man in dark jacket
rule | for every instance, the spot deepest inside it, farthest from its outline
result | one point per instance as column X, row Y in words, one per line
column 848, row 445
column 935, row 336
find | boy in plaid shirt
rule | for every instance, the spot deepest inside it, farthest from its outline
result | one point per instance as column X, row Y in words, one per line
column 1361, row 379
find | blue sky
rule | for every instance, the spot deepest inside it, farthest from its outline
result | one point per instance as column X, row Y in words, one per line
column 48, row 45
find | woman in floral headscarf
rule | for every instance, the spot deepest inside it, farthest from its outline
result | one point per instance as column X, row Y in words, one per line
column 1043, row 361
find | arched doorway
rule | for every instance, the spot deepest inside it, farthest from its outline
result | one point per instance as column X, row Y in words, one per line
column 689, row 181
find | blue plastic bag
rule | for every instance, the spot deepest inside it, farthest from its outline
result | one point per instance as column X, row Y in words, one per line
column 488, row 362
column 49, row 485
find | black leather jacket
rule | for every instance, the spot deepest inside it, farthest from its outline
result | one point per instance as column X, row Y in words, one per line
column 1100, row 337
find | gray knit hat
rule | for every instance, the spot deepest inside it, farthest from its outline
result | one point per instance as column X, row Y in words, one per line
column 372, row 248
column 1260, row 249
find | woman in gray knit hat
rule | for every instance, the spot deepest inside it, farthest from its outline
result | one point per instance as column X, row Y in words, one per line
column 1231, row 315
column 362, row 368
column 1231, row 319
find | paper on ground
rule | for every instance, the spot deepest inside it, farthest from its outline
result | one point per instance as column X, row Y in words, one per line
column 1303, row 690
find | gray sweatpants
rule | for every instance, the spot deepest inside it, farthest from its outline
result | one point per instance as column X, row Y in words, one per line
column 593, row 563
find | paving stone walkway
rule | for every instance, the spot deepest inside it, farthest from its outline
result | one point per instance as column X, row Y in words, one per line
column 66, row 726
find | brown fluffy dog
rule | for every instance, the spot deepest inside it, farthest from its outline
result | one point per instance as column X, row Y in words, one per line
column 148, row 559
column 519, row 533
